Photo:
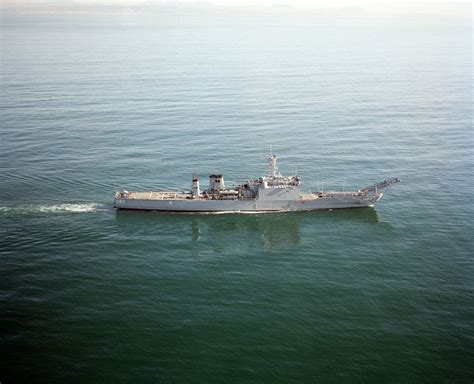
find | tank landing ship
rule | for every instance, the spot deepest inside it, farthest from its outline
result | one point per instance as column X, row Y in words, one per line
column 272, row 193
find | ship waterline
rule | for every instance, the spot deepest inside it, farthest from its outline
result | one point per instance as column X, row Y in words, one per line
column 272, row 193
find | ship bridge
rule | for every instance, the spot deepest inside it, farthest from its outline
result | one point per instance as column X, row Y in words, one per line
column 275, row 179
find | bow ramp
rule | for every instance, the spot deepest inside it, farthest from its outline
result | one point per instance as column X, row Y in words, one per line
column 383, row 184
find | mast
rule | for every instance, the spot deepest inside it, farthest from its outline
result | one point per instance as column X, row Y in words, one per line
column 272, row 165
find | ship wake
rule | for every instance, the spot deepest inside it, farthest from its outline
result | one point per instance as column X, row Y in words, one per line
column 55, row 208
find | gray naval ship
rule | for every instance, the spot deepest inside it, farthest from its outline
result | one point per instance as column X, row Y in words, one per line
column 272, row 193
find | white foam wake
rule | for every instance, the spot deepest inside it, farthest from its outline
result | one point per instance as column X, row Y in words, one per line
column 56, row 208
column 69, row 208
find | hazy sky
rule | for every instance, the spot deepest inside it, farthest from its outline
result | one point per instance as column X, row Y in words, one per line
column 461, row 8
column 256, row 3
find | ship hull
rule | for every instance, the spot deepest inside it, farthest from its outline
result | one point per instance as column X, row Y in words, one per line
column 251, row 205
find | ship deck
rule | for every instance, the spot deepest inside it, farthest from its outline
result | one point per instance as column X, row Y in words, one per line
column 305, row 196
column 178, row 195
column 174, row 195
column 159, row 195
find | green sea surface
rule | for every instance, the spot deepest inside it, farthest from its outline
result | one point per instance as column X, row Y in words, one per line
column 374, row 295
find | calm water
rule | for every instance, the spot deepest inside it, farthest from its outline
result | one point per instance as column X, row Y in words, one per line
column 90, row 104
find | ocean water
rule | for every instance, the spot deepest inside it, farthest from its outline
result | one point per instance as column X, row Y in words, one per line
column 91, row 104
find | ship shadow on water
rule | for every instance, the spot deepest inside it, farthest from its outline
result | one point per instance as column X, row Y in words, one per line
column 275, row 230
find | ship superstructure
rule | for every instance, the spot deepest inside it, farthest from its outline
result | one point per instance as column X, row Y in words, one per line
column 271, row 193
